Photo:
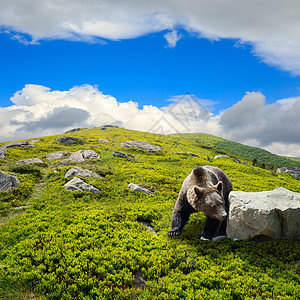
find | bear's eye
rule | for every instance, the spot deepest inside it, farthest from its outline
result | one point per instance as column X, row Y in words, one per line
column 213, row 206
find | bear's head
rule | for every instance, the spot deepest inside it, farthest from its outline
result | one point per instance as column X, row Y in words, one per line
column 209, row 200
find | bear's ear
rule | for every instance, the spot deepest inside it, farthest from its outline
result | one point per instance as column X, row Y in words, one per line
column 219, row 186
column 199, row 191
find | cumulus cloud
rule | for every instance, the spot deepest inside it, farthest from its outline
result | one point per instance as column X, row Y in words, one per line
column 37, row 111
column 272, row 27
column 274, row 127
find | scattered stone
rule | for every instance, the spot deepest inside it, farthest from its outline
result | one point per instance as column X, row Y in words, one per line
column 103, row 128
column 295, row 172
column 137, row 188
column 139, row 280
column 262, row 216
column 77, row 184
column 103, row 141
column 8, row 182
column 74, row 130
column 29, row 161
column 56, row 155
column 187, row 153
column 143, row 145
column 2, row 152
column 241, row 162
column 75, row 171
column 221, row 156
column 68, row 140
column 149, row 227
column 111, row 126
column 121, row 154
column 81, row 156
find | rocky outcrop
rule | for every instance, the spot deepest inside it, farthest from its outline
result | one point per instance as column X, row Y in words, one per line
column 68, row 140
column 25, row 144
column 8, row 182
column 81, row 156
column 142, row 145
column 75, row 171
column 137, row 188
column 269, row 215
column 56, row 155
column 29, row 161
column 77, row 184
column 295, row 172
column 123, row 155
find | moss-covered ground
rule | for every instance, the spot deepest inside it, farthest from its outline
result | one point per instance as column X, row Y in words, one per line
column 58, row 244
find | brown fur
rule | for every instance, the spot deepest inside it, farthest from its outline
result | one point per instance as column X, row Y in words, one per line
column 205, row 189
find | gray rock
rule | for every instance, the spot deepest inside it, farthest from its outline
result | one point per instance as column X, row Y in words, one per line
column 25, row 144
column 8, row 182
column 56, row 155
column 68, row 140
column 121, row 154
column 137, row 188
column 269, row 215
column 139, row 280
column 75, row 171
column 29, row 161
column 295, row 172
column 81, row 156
column 77, row 184
column 74, row 130
column 149, row 227
column 143, row 145
column 103, row 141
column 2, row 152
column 187, row 153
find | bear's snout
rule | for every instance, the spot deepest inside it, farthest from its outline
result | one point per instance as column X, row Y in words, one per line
column 223, row 216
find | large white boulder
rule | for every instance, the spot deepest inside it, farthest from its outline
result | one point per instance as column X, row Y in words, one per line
column 262, row 216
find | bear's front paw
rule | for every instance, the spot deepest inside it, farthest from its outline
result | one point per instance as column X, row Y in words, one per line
column 174, row 232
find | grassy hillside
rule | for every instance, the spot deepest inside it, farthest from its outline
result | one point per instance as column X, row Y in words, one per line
column 240, row 150
column 58, row 244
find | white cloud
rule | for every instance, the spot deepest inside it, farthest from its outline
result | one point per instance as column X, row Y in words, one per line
column 272, row 27
column 274, row 127
column 37, row 111
column 172, row 38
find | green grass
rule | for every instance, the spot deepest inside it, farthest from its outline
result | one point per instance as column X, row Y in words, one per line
column 240, row 150
column 77, row 245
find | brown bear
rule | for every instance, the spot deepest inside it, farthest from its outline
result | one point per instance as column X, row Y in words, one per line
column 206, row 189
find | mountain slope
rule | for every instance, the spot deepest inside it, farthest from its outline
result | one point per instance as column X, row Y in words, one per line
column 58, row 244
column 240, row 150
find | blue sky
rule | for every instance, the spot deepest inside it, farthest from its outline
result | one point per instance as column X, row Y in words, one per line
column 145, row 69
column 55, row 58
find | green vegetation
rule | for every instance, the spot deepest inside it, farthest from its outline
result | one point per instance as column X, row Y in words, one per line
column 78, row 245
column 239, row 150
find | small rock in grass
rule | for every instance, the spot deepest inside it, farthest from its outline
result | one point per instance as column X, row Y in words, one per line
column 75, row 171
column 76, row 184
